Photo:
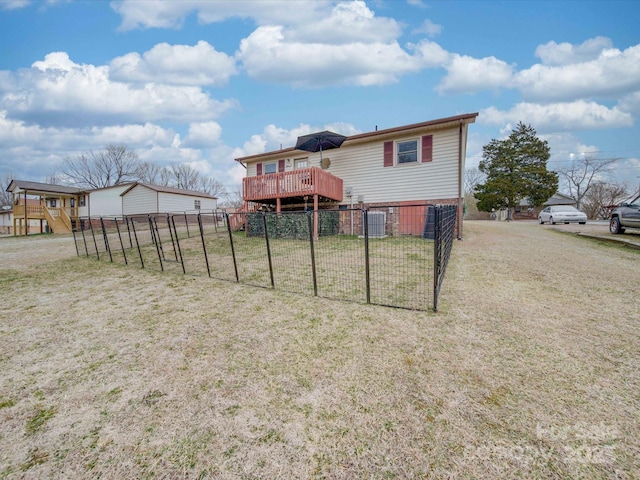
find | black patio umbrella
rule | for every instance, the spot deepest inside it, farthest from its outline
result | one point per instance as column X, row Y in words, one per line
column 317, row 142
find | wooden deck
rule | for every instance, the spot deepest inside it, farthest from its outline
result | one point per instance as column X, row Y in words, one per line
column 290, row 185
column 58, row 219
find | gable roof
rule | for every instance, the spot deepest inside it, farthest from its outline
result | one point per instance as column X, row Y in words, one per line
column 378, row 134
column 175, row 191
column 560, row 199
column 36, row 188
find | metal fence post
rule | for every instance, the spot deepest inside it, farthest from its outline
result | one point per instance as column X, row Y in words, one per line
column 204, row 246
column 437, row 245
column 179, row 251
column 367, row 273
column 121, row 243
column 155, row 235
column 233, row 250
column 313, row 255
column 173, row 244
column 75, row 242
column 186, row 222
column 266, row 239
column 128, row 231
column 106, row 240
column 135, row 235
column 95, row 242
column 84, row 239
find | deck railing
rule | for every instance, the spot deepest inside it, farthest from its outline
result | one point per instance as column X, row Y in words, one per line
column 297, row 183
column 33, row 211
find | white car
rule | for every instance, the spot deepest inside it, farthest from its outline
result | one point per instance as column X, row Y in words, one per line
column 562, row 214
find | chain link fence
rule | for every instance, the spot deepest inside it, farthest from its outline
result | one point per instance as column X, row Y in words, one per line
column 389, row 255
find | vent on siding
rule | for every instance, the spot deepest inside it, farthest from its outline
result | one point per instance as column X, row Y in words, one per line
column 376, row 222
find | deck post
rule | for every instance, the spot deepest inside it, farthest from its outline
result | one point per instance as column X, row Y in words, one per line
column 26, row 217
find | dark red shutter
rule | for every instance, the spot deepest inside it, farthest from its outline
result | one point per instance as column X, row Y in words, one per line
column 280, row 165
column 259, row 169
column 427, row 148
column 388, row 154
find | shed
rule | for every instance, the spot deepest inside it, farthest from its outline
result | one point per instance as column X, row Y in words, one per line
column 143, row 198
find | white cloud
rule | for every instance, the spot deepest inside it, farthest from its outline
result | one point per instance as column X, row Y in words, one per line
column 138, row 136
column 236, row 174
column 267, row 55
column 430, row 54
column 176, row 65
column 571, row 116
column 315, row 43
column 630, row 103
column 556, row 54
column 137, row 14
column 611, row 74
column 202, row 135
column 25, row 149
column 59, row 91
column 468, row 75
column 13, row 4
column 348, row 22
column 429, row 28
column 273, row 137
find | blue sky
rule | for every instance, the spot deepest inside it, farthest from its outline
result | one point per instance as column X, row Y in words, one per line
column 204, row 82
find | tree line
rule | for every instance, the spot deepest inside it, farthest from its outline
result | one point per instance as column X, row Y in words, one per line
column 116, row 164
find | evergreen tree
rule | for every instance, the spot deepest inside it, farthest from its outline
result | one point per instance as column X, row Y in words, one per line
column 515, row 169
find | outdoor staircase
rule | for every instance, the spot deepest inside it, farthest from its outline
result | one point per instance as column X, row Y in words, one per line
column 58, row 220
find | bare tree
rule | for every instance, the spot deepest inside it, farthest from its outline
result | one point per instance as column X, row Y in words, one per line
column 5, row 197
column 211, row 186
column 185, row 177
column 601, row 197
column 232, row 199
column 179, row 176
column 472, row 177
column 114, row 165
column 149, row 172
column 582, row 173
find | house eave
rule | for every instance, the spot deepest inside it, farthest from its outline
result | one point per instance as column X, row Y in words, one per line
column 377, row 135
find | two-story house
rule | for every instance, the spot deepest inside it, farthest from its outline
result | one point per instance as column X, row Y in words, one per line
column 407, row 166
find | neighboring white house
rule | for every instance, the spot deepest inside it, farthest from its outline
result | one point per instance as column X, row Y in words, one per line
column 141, row 198
column 417, row 163
column 6, row 220
column 57, row 208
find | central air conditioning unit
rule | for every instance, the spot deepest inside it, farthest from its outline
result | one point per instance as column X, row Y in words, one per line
column 376, row 222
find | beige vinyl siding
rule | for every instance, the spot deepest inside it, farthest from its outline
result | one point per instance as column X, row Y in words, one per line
column 313, row 160
column 139, row 199
column 361, row 167
column 206, row 204
column 171, row 202
column 105, row 202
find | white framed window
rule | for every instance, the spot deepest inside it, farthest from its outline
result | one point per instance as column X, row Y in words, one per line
column 407, row 152
column 196, row 204
column 300, row 163
column 271, row 167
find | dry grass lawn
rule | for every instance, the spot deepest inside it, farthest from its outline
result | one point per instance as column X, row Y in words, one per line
column 531, row 369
